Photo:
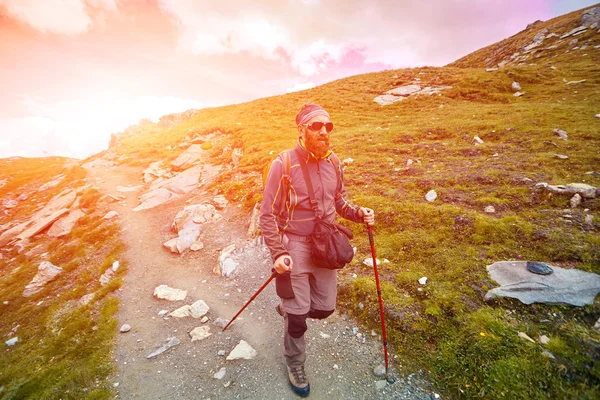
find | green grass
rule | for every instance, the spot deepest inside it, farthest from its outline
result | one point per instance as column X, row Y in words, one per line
column 64, row 349
column 470, row 348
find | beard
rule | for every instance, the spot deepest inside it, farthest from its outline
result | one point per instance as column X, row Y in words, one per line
column 317, row 144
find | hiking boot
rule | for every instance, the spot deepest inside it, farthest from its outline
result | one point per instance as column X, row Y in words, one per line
column 279, row 309
column 298, row 381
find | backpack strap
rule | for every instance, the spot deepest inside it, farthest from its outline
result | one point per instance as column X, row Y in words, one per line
column 311, row 193
column 287, row 166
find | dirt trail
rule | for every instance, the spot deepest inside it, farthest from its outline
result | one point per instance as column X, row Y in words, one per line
column 339, row 364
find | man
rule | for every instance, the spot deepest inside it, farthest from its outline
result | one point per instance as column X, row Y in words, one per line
column 287, row 219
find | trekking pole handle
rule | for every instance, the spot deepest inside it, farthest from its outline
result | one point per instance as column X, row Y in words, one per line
column 370, row 232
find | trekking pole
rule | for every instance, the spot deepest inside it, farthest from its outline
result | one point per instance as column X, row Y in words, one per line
column 385, row 352
column 264, row 285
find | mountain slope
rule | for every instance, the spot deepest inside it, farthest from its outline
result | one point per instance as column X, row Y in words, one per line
column 403, row 150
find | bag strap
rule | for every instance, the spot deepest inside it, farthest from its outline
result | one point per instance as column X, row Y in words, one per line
column 286, row 172
column 311, row 193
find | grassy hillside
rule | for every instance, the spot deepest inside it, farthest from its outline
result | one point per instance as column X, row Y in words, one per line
column 470, row 348
column 64, row 347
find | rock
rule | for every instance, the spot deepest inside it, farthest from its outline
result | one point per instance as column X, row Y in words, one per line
column 197, row 245
column 597, row 325
column 387, row 99
column 516, row 86
column 562, row 134
column 46, row 273
column 52, row 183
column 199, row 309
column 107, row 276
column 12, row 342
column 153, row 171
column 477, row 140
column 85, row 300
column 409, row 162
column 188, row 225
column 369, row 262
column 539, row 268
column 188, row 158
column 546, row 353
column 490, row 209
column 11, row 234
column 181, row 183
column 574, row 31
column 404, row 90
column 204, row 319
column 127, row 189
column 236, row 155
column 220, row 374
column 575, row 201
column 573, row 43
column 491, row 69
column 253, row 225
column 65, row 224
column 41, row 224
column 431, row 196
column 170, row 342
column 575, row 82
column 221, row 353
column 227, row 265
column 162, row 313
column 220, row 202
column 10, row 203
column 221, row 322
column 564, row 286
column 518, row 94
column 154, row 198
column 164, row 292
column 182, row 312
column 586, row 191
column 589, row 220
column 597, row 116
column 348, row 161
column 590, row 16
column 423, row 280
column 242, row 351
column 125, row 328
column 544, row 339
column 523, row 335
column 200, row 332
column 380, row 385
column 110, row 215
column 379, row 371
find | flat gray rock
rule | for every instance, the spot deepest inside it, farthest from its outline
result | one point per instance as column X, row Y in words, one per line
column 564, row 286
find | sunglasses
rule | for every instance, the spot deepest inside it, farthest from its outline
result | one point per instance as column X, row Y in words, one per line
column 317, row 126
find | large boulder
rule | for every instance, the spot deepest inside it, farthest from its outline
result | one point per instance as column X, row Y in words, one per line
column 46, row 273
column 183, row 182
column 590, row 16
column 41, row 224
column 154, row 198
column 563, row 286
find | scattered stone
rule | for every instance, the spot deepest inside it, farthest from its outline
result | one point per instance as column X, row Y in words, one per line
column 589, row 220
column 107, row 276
column 10, row 203
column 221, row 353
column 575, row 201
column 539, row 268
column 125, row 328
column 575, row 82
column 564, row 286
column 52, row 183
column 236, row 156
column 204, row 319
column 519, row 94
column 220, row 202
column 228, row 383
column 227, row 264
column 546, row 353
column 380, row 385
column 164, row 292
column 162, row 313
column 516, row 86
column 586, row 191
column 369, row 262
column 348, row 161
column 431, row 196
column 544, row 339
column 170, row 342
column 220, row 374
column 490, row 209
column 409, row 162
column 221, row 322
column 153, row 171
column 154, row 198
column 574, row 31
column 423, row 280
column 188, row 225
column 182, row 312
column 562, row 134
column 12, row 342
column 597, row 325
column 597, row 116
column 491, row 69
column 324, row 335
column 188, row 158
column 110, row 215
column 379, row 371
column 477, row 140
column 197, row 245
column 523, row 335
column 127, row 189
column 85, row 300
column 200, row 332
column 199, row 309
column 242, row 351
column 46, row 273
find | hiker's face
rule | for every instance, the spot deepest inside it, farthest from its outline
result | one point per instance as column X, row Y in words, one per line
column 316, row 142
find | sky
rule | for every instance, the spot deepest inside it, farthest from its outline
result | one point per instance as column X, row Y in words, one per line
column 74, row 71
